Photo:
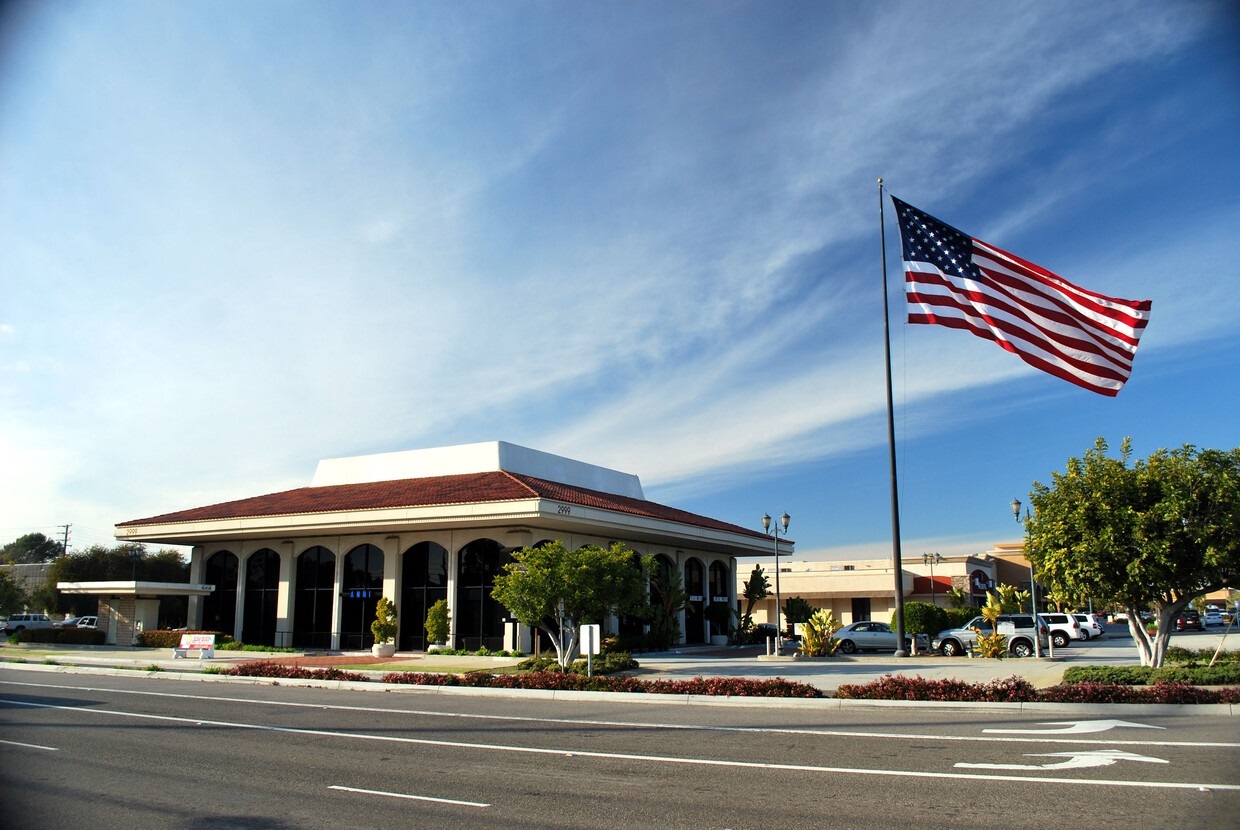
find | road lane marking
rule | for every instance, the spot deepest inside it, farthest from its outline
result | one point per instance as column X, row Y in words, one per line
column 30, row 746
column 826, row 733
column 1075, row 727
column 409, row 796
column 625, row 756
column 1076, row 760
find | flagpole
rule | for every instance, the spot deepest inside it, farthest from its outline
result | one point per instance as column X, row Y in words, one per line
column 897, row 565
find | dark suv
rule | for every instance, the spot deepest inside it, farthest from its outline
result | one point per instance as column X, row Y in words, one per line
column 1189, row 619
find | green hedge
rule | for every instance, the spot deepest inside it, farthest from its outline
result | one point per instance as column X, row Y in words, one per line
column 1177, row 655
column 63, row 636
column 602, row 664
column 1222, row 674
column 163, row 638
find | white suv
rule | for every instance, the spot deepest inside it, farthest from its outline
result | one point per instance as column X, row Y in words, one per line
column 1091, row 626
column 1064, row 628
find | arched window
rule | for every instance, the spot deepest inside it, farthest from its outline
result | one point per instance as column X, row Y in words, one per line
column 219, row 608
column 314, row 595
column 695, row 587
column 262, row 592
column 720, row 583
column 363, row 585
column 479, row 619
column 424, row 571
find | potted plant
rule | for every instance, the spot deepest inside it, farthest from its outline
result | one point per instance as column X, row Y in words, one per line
column 438, row 624
column 384, row 628
column 719, row 614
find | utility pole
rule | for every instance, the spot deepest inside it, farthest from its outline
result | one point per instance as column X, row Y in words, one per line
column 65, row 549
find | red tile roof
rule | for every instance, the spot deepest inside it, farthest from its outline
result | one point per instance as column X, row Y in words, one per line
column 472, row 488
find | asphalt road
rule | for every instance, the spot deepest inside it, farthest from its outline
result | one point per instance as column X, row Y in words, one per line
column 97, row 752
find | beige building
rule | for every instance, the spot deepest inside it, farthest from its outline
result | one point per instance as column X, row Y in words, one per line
column 864, row 589
column 306, row 567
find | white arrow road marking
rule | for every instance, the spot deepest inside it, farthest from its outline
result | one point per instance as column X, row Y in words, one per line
column 1076, row 760
column 1075, row 727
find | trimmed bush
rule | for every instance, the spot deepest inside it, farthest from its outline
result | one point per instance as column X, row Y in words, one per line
column 1158, row 693
column 557, row 681
column 63, row 636
column 1123, row 675
column 264, row 668
column 898, row 687
column 164, row 638
column 602, row 664
column 1222, row 674
column 1180, row 656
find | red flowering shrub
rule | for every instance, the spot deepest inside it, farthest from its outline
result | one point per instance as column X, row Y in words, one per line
column 898, row 687
column 1158, row 693
column 730, row 686
column 263, row 668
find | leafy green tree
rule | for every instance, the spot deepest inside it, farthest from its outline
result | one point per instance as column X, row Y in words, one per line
column 797, row 610
column 923, row 618
column 1156, row 534
column 557, row 589
column 756, row 589
column 100, row 563
column 12, row 598
column 30, row 549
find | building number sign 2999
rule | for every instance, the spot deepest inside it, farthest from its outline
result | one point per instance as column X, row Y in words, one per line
column 565, row 510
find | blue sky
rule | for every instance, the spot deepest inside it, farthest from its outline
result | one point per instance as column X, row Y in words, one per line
column 236, row 238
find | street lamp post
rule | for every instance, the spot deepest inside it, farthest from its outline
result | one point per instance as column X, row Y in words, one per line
column 1033, row 585
column 774, row 530
column 931, row 559
column 134, row 557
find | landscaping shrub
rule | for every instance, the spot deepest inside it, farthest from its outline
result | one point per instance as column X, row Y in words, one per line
column 957, row 617
column 1222, row 674
column 1158, row 693
column 164, row 638
column 64, row 636
column 602, row 664
column 1177, row 655
column 1123, row 675
column 731, row 686
column 898, row 687
column 264, row 668
column 237, row 646
column 1017, row 690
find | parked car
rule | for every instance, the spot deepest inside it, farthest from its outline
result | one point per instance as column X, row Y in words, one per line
column 18, row 622
column 1212, row 617
column 1064, row 628
column 90, row 621
column 1189, row 620
column 1091, row 625
column 871, row 635
column 1019, row 629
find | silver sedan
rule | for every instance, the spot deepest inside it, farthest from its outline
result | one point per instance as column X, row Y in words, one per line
column 872, row 636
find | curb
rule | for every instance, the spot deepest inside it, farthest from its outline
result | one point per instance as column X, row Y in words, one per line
column 818, row 704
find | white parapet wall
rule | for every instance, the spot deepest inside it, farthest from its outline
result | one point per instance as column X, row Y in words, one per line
column 464, row 459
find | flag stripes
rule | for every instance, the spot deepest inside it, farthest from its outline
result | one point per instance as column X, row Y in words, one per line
column 1079, row 335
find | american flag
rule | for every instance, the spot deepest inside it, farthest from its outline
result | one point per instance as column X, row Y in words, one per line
column 954, row 280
